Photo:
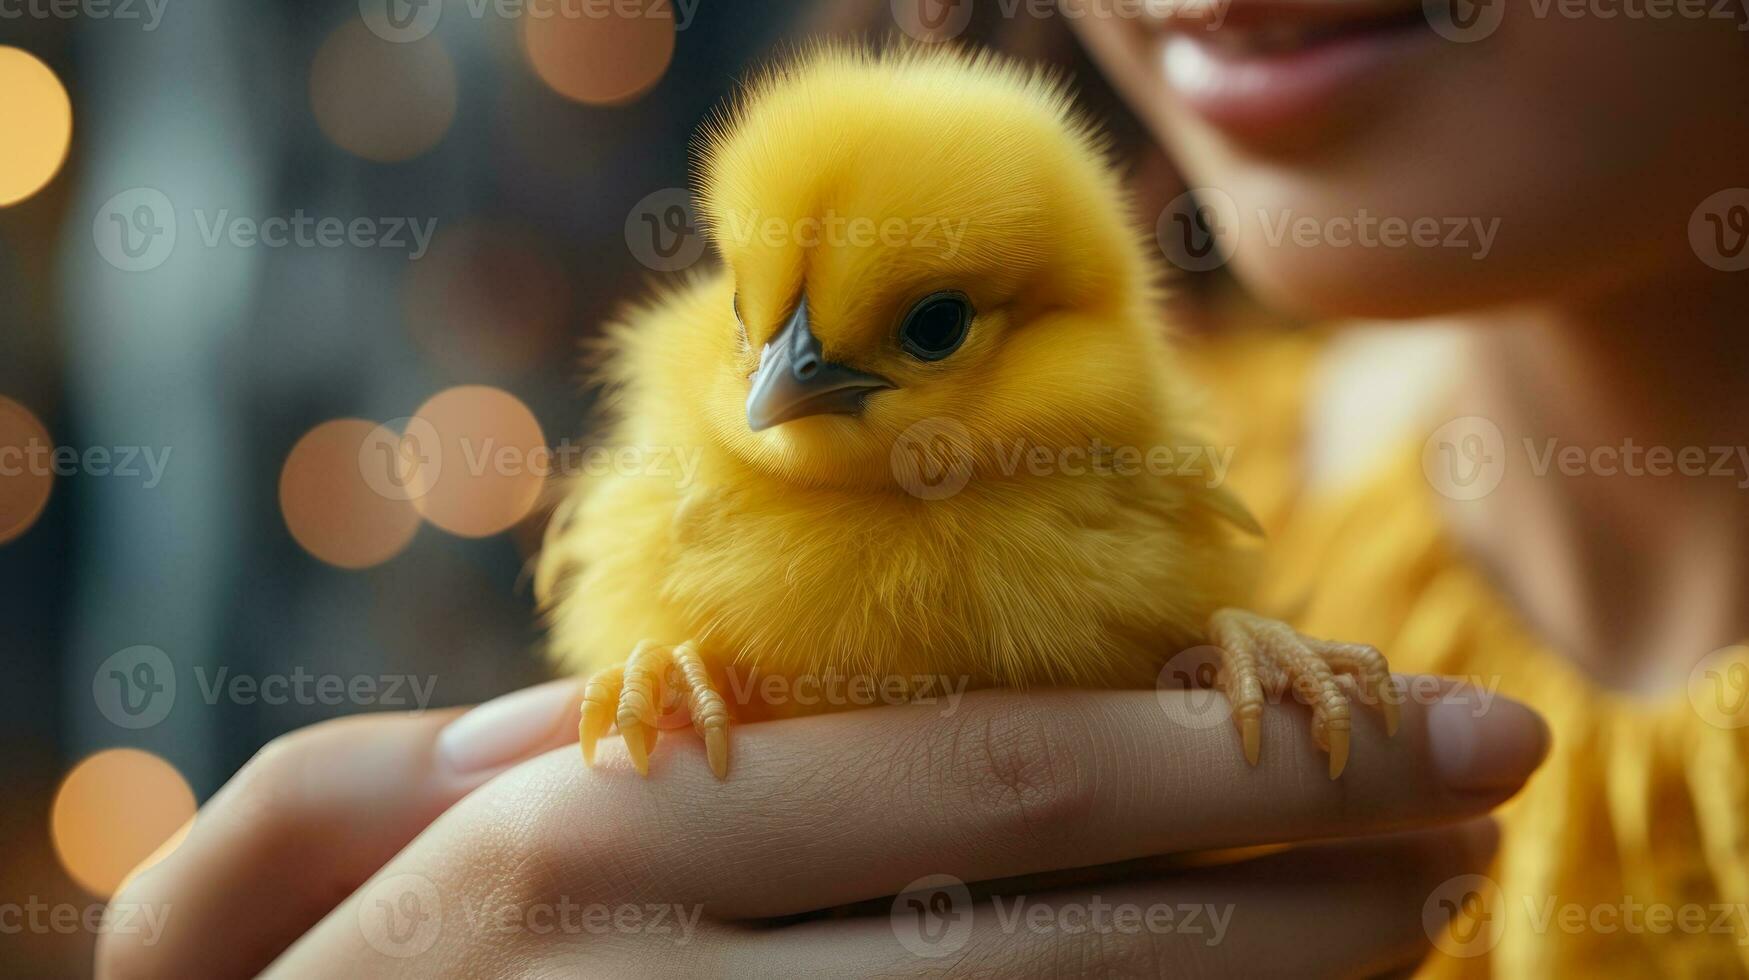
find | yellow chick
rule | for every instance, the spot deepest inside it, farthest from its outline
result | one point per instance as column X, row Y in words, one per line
column 915, row 409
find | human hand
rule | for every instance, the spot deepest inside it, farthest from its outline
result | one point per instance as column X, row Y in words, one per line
column 554, row 867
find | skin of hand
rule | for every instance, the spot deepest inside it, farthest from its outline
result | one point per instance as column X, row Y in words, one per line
column 482, row 834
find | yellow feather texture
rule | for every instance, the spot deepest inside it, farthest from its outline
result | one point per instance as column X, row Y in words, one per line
column 1072, row 554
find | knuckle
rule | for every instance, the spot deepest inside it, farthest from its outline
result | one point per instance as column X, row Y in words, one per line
column 273, row 786
column 1023, row 768
column 123, row 957
column 265, row 785
column 539, row 859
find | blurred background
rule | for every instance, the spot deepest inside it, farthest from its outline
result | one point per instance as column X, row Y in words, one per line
column 248, row 250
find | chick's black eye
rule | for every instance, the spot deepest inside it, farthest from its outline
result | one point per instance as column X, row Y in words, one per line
column 936, row 326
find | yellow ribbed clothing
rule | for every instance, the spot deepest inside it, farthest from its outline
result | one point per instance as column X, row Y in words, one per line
column 1638, row 821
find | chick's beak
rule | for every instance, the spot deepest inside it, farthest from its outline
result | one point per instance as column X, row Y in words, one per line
column 794, row 379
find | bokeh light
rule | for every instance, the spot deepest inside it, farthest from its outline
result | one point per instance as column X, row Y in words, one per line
column 26, row 476
column 384, row 102
column 36, row 125
column 115, row 810
column 494, row 461
column 335, row 508
column 488, row 298
column 605, row 55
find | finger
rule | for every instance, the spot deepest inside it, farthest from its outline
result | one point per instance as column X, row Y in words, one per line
column 313, row 815
column 1354, row 908
column 859, row 803
column 829, row 810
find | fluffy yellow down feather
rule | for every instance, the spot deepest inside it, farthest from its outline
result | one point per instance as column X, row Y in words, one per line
column 992, row 516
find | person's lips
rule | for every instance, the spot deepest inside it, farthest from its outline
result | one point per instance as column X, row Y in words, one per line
column 1253, row 68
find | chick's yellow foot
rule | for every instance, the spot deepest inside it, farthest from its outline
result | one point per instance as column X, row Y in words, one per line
column 630, row 696
column 1260, row 656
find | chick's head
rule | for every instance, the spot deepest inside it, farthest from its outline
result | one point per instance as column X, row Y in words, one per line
column 918, row 239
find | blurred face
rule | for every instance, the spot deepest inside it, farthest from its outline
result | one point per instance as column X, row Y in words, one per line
column 1382, row 159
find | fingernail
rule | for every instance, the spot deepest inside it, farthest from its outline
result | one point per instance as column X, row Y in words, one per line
column 506, row 729
column 1484, row 751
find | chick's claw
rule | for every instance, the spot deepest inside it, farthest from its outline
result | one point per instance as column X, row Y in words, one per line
column 630, row 697
column 1260, row 655
column 600, row 704
column 637, row 714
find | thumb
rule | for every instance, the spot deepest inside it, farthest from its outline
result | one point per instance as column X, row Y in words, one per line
column 309, row 819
